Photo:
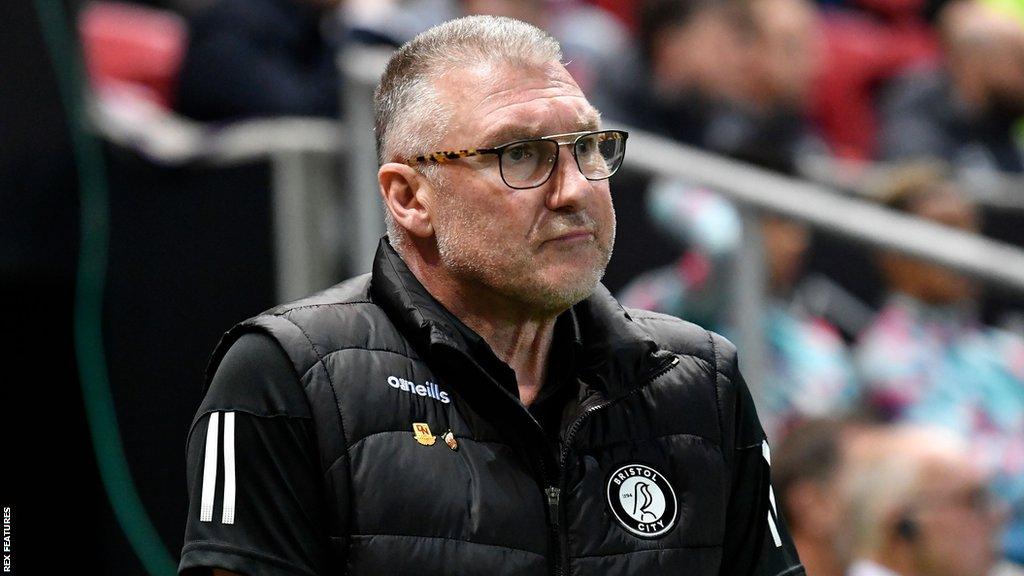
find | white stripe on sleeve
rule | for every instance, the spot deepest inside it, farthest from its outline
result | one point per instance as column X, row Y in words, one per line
column 772, row 510
column 210, row 469
column 228, row 516
column 775, row 530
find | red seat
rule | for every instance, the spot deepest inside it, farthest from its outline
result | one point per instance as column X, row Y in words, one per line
column 860, row 55
column 133, row 48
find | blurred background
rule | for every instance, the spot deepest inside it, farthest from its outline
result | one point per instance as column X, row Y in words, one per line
column 838, row 186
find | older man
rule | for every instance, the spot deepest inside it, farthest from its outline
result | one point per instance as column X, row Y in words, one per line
column 916, row 505
column 966, row 112
column 479, row 404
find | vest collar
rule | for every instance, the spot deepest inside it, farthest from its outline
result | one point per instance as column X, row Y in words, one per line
column 617, row 355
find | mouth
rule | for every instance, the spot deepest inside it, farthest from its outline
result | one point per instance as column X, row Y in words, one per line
column 572, row 236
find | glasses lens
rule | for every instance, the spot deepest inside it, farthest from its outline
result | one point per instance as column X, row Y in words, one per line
column 600, row 154
column 528, row 164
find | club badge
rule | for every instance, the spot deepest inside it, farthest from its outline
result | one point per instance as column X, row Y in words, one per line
column 423, row 435
column 642, row 500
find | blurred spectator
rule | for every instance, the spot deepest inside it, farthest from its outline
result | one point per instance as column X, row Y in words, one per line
column 809, row 373
column 965, row 112
column 691, row 58
column 251, row 58
column 806, row 473
column 916, row 505
column 730, row 77
column 928, row 359
column 592, row 39
column 787, row 38
column 392, row 22
column 863, row 51
column 767, row 122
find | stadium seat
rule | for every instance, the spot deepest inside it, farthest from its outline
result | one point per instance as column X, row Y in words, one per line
column 860, row 55
column 133, row 49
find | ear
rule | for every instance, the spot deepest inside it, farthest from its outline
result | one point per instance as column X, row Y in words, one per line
column 406, row 195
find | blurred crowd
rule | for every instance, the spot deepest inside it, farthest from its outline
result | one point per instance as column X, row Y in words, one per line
column 871, row 500
column 760, row 80
column 900, row 444
column 924, row 358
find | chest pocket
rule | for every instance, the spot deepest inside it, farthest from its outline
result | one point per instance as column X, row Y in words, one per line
column 434, row 485
column 642, row 480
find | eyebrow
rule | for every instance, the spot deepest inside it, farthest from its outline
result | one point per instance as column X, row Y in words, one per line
column 508, row 133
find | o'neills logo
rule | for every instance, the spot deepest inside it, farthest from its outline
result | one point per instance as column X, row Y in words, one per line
column 642, row 500
column 430, row 390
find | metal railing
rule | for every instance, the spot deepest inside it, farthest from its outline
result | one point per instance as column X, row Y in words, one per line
column 308, row 201
column 989, row 189
column 759, row 191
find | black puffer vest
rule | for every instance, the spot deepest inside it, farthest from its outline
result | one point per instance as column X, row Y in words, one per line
column 644, row 482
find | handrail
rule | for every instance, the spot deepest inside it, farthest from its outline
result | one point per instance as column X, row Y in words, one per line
column 171, row 140
column 175, row 141
column 997, row 190
column 860, row 220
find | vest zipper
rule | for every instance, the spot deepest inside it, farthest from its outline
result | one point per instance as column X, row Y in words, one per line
column 554, row 494
column 559, row 534
column 562, row 565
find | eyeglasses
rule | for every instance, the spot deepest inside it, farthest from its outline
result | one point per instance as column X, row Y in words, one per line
column 529, row 163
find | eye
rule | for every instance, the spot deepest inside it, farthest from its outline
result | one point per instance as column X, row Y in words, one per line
column 520, row 152
column 586, row 146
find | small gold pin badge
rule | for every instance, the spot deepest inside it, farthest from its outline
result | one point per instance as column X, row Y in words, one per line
column 423, row 435
column 449, row 439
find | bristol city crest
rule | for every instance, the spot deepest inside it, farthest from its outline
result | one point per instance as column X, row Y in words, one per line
column 642, row 500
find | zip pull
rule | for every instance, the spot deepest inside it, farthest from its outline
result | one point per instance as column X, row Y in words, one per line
column 553, row 494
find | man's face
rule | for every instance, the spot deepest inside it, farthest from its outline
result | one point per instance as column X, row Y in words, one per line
column 787, row 51
column 545, row 247
column 956, row 524
column 785, row 244
column 930, row 282
column 705, row 55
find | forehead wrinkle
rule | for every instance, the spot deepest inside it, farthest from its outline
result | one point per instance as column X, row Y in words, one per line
column 520, row 80
column 503, row 131
column 549, row 88
column 488, row 95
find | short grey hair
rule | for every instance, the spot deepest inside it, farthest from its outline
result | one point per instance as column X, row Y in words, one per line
column 410, row 118
column 886, row 481
column 876, row 491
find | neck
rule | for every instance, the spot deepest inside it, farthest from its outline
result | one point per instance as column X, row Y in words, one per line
column 518, row 334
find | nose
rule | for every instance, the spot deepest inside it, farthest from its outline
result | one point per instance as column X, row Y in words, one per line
column 568, row 187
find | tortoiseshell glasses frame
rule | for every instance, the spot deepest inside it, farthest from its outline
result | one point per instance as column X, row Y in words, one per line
column 529, row 163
